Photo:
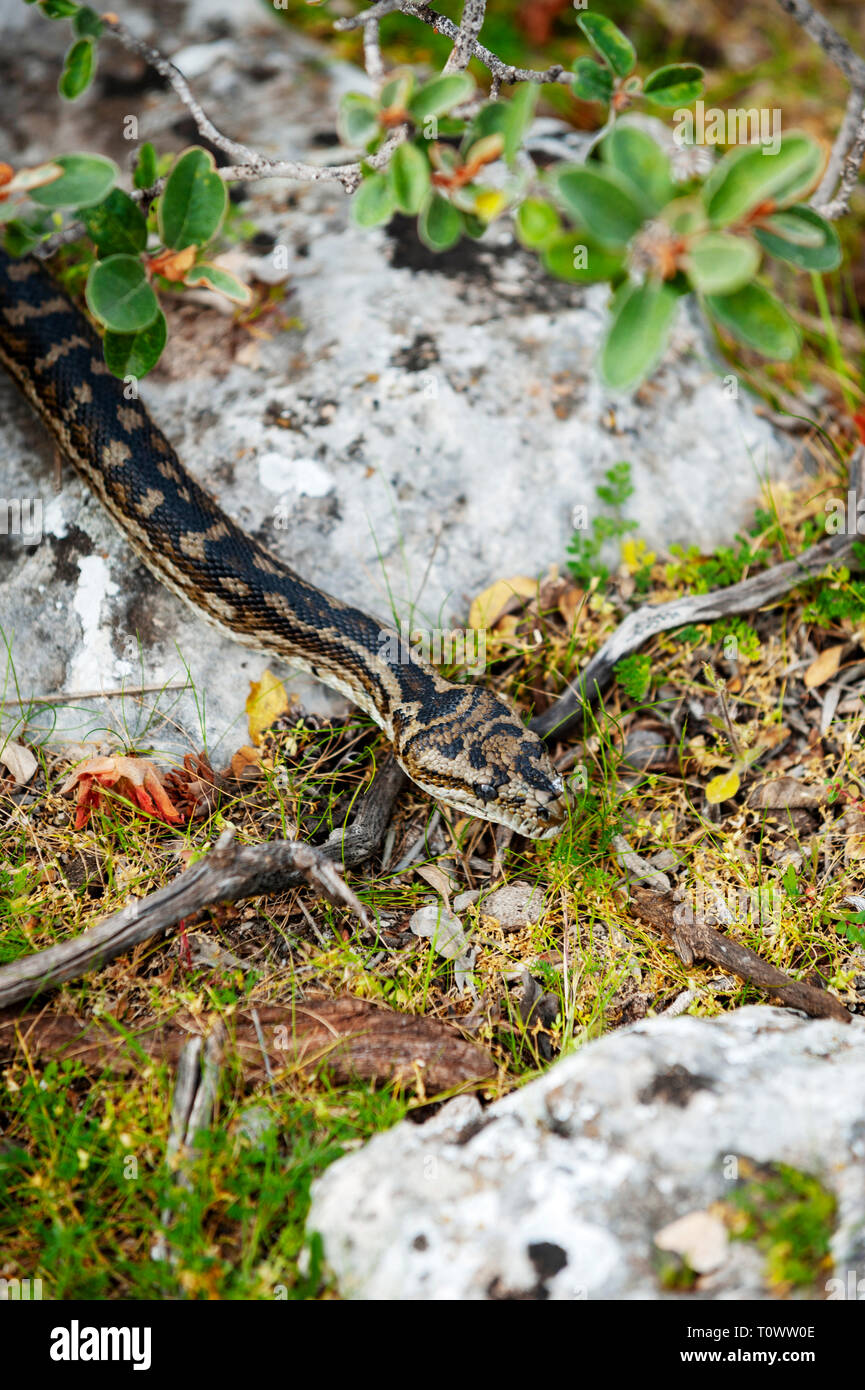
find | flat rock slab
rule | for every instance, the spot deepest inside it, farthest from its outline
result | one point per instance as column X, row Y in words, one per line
column 423, row 426
column 559, row 1190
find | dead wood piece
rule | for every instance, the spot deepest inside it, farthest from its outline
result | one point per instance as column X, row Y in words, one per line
column 191, row 1112
column 352, row 1039
column 694, row 940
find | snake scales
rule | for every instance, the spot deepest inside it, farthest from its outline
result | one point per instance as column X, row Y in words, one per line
column 462, row 744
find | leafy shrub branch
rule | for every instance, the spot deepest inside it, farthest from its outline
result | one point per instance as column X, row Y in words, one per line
column 653, row 221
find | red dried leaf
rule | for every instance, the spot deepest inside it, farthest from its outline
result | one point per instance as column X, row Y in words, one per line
column 136, row 779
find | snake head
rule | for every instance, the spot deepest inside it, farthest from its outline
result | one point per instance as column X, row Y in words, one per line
column 469, row 749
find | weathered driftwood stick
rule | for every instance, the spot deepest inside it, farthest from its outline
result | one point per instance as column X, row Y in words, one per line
column 566, row 714
column 694, row 940
column 228, row 873
column 191, row 1111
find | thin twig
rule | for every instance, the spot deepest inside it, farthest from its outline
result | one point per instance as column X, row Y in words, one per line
column 372, row 59
column 832, row 198
column 506, row 73
column 473, row 15
column 181, row 88
column 66, row 699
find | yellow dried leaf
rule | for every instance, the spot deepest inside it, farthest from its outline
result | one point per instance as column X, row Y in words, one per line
column 824, row 667
column 722, row 787
column 489, row 606
column 266, row 701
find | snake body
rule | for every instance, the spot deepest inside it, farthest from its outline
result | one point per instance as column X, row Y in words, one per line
column 462, row 744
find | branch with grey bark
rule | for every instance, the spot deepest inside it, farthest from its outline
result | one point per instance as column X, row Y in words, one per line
column 832, row 198
column 566, row 715
column 227, row 874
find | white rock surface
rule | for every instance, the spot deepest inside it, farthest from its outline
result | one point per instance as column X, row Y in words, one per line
column 559, row 1190
column 425, row 426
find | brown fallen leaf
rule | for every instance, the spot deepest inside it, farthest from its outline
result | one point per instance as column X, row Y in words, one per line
column 823, row 667
column 19, row 760
column 500, row 598
column 570, row 604
column 245, row 765
column 786, row 791
column 437, row 879
column 136, row 779
column 352, row 1039
column 173, row 265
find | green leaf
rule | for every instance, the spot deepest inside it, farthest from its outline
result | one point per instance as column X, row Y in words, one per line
column 520, row 111
column 59, row 9
column 87, row 23
column 642, row 162
column 440, row 95
column 145, row 167
column 194, row 202
column 120, row 296
column 758, row 320
column 747, row 177
column 634, row 674
column 373, row 202
column 677, row 84
column 591, row 81
column 440, row 224
column 473, row 226
column 486, row 150
column 357, row 122
column 395, row 94
column 608, row 40
column 686, row 215
column 802, row 178
column 602, row 200
column 642, row 316
column 116, row 225
column 409, row 178
column 213, row 277
column 78, row 69
column 134, row 354
column 536, row 222
column 719, row 263
column 86, row 179
column 784, row 236
column 559, row 258
column 492, row 119
column 19, row 237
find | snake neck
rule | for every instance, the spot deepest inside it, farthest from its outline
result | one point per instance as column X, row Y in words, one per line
column 175, row 526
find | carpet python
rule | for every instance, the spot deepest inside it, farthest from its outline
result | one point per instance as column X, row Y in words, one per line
column 462, row 744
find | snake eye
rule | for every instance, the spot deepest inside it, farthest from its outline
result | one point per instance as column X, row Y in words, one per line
column 487, row 792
